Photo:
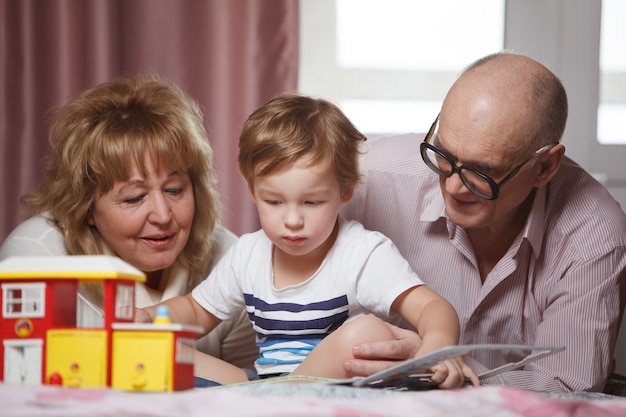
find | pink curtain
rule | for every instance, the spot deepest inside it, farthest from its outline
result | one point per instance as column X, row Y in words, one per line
column 230, row 55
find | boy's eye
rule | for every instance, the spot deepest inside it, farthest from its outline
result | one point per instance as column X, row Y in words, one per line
column 312, row 202
column 272, row 202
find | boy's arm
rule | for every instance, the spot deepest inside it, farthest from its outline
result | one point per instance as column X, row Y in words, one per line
column 183, row 309
column 431, row 315
column 437, row 323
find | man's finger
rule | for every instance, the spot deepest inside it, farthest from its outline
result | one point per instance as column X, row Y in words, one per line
column 360, row 367
column 394, row 349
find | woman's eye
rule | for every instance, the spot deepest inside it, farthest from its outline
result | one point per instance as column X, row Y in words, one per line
column 174, row 191
column 134, row 200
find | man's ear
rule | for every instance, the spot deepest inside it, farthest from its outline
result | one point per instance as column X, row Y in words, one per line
column 549, row 164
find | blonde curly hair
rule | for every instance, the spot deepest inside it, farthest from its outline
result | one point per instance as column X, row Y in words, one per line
column 96, row 137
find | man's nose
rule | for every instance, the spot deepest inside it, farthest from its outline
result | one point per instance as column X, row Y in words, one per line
column 454, row 184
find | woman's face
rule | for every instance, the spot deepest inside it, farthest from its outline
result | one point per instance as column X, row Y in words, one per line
column 146, row 220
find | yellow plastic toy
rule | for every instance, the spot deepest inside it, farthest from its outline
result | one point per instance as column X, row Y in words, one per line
column 44, row 341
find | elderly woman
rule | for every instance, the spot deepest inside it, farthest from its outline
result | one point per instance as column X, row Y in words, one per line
column 131, row 175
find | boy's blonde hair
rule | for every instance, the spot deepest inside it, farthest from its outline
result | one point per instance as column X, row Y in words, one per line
column 96, row 136
column 292, row 126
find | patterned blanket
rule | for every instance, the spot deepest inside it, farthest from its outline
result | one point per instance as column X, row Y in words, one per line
column 303, row 399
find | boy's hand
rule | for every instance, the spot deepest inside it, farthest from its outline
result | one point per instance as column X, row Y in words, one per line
column 453, row 373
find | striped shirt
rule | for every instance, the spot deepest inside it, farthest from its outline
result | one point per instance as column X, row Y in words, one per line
column 561, row 282
column 288, row 332
column 362, row 273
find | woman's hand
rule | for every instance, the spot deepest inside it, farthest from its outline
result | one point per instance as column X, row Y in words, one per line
column 142, row 316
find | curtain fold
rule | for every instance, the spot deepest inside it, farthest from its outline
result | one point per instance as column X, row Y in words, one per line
column 230, row 55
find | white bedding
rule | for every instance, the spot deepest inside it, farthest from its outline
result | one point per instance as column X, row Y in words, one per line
column 302, row 399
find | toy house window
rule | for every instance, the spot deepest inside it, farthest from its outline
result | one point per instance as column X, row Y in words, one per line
column 124, row 305
column 23, row 300
column 185, row 348
column 89, row 303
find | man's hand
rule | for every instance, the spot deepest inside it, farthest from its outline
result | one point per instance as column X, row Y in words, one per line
column 376, row 356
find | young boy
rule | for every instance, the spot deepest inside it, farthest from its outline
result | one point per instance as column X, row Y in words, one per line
column 309, row 278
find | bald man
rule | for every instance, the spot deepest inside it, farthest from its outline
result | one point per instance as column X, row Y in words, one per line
column 492, row 215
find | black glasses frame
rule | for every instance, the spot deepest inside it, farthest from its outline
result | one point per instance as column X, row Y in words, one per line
column 458, row 169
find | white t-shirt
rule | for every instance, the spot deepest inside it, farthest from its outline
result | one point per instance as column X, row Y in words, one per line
column 363, row 272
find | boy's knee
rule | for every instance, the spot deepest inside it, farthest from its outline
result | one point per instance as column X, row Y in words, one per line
column 367, row 321
column 363, row 329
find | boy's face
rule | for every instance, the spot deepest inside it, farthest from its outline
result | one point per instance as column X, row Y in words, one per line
column 298, row 207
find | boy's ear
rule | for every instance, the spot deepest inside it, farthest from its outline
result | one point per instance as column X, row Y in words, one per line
column 549, row 165
column 347, row 195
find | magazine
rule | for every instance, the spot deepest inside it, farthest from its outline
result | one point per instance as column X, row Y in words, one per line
column 413, row 374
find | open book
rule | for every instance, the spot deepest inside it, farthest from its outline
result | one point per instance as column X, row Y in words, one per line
column 414, row 374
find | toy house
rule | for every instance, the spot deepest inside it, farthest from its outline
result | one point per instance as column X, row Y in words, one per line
column 51, row 334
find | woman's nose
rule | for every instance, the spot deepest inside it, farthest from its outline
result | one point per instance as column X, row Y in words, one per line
column 160, row 211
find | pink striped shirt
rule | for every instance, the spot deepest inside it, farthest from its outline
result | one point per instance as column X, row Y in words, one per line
column 562, row 281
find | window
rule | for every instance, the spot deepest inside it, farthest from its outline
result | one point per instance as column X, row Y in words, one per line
column 389, row 64
column 612, row 106
column 23, row 300
column 185, row 348
column 383, row 95
column 124, row 305
column 89, row 313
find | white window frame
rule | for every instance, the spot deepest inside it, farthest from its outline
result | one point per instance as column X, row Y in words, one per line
column 38, row 298
column 565, row 35
column 562, row 34
column 124, row 301
column 320, row 75
column 185, row 348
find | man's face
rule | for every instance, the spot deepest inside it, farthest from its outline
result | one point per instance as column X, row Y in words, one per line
column 493, row 147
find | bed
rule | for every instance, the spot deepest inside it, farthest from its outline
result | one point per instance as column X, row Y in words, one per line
column 303, row 399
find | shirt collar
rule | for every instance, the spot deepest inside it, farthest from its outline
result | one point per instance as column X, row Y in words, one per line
column 434, row 210
column 533, row 230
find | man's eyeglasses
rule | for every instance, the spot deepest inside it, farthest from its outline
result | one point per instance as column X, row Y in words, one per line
column 478, row 183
